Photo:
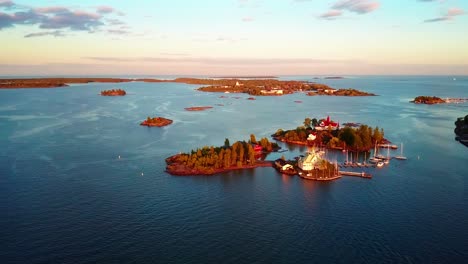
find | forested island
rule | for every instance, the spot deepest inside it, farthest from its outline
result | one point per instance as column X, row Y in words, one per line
column 156, row 121
column 428, row 100
column 113, row 92
column 340, row 92
column 253, row 86
column 461, row 130
column 319, row 133
column 212, row 160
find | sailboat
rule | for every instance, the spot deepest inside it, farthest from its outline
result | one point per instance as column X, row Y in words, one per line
column 387, row 160
column 374, row 159
column 401, row 157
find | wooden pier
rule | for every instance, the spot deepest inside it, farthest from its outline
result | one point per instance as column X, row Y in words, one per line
column 355, row 174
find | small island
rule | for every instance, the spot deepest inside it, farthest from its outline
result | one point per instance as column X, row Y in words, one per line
column 113, row 92
column 198, row 108
column 461, row 130
column 156, row 122
column 212, row 160
column 428, row 100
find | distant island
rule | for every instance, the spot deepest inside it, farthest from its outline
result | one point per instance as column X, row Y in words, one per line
column 246, row 77
column 461, row 130
column 198, row 108
column 212, row 160
column 53, row 82
column 156, row 121
column 327, row 133
column 428, row 100
column 339, row 92
column 334, row 77
column 251, row 86
column 113, row 92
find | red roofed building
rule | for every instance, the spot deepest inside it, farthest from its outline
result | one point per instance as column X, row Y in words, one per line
column 327, row 123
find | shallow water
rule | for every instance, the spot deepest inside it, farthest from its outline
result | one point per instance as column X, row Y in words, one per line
column 66, row 197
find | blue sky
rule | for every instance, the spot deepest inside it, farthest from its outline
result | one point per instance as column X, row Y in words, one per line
column 235, row 37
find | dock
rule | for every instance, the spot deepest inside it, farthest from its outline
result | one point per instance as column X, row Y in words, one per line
column 355, row 174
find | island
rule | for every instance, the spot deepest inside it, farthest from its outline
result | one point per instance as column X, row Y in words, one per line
column 461, row 130
column 253, row 86
column 53, row 82
column 156, row 121
column 113, row 92
column 339, row 92
column 428, row 100
column 212, row 160
column 198, row 108
column 328, row 133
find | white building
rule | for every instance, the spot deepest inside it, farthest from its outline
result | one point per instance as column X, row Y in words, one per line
column 309, row 162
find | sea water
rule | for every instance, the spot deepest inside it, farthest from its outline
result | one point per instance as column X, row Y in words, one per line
column 82, row 182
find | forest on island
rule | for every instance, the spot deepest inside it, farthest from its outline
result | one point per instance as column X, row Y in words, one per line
column 208, row 159
column 361, row 138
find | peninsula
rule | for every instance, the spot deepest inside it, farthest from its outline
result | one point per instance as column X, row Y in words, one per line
column 113, row 92
column 212, row 160
column 156, row 121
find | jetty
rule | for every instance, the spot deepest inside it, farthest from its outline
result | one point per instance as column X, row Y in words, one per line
column 355, row 174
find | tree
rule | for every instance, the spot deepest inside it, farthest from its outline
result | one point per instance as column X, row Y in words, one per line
column 307, row 122
column 253, row 140
column 314, row 122
column 226, row 143
column 347, row 135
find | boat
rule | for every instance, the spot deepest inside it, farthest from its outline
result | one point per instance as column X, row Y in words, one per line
column 380, row 164
column 386, row 161
column 401, row 157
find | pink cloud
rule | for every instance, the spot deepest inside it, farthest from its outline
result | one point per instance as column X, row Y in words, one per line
column 331, row 14
column 247, row 19
column 357, row 6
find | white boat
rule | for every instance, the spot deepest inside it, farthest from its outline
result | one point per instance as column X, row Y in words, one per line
column 401, row 157
column 374, row 160
column 387, row 159
column 380, row 164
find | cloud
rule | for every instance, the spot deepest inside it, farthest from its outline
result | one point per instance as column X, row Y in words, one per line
column 60, row 18
column 115, row 22
column 220, row 61
column 56, row 33
column 357, row 6
column 6, row 4
column 247, row 19
column 449, row 15
column 118, row 31
column 105, row 9
column 331, row 14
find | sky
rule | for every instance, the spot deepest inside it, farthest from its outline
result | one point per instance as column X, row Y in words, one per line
column 234, row 37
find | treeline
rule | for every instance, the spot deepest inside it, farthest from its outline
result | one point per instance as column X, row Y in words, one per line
column 362, row 138
column 209, row 159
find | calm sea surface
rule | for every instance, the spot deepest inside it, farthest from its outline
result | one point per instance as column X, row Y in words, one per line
column 66, row 197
